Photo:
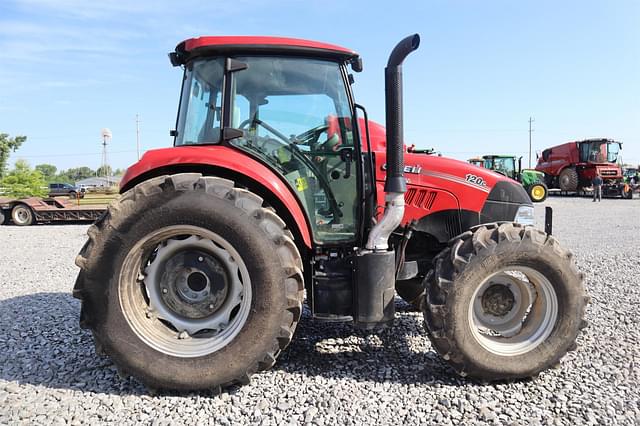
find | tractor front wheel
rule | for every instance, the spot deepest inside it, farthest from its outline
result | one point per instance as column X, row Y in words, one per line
column 188, row 283
column 538, row 192
column 504, row 302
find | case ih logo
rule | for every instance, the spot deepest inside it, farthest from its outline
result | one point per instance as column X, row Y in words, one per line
column 407, row 169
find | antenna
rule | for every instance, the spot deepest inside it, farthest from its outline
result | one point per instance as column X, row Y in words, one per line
column 106, row 136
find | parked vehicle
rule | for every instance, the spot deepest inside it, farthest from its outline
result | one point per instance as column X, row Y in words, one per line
column 531, row 180
column 573, row 165
column 195, row 277
column 32, row 210
column 62, row 189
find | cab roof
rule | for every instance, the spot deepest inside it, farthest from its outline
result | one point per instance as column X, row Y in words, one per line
column 212, row 45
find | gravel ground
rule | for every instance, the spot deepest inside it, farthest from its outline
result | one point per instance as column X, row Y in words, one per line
column 331, row 374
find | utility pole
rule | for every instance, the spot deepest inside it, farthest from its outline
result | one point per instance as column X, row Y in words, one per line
column 531, row 120
column 106, row 136
column 138, row 137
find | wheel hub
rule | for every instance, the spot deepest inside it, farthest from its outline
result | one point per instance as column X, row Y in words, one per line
column 513, row 311
column 193, row 284
column 498, row 300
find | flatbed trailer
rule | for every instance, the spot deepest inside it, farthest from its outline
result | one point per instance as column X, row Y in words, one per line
column 28, row 211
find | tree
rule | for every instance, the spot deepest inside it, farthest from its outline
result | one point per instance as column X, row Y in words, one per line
column 22, row 181
column 8, row 144
column 101, row 171
column 75, row 174
column 48, row 171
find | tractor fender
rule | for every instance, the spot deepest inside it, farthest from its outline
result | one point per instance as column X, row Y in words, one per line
column 226, row 162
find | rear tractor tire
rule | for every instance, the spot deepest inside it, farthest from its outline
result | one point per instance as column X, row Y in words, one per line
column 538, row 192
column 504, row 302
column 22, row 215
column 189, row 283
column 568, row 180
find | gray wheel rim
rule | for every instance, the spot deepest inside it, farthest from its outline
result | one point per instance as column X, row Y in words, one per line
column 165, row 311
column 21, row 215
column 513, row 311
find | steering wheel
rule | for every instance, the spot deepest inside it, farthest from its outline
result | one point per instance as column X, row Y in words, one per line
column 290, row 146
column 311, row 136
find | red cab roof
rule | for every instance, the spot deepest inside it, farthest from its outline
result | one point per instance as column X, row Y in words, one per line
column 259, row 44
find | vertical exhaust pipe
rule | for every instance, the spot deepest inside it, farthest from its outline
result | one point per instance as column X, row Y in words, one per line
column 395, row 184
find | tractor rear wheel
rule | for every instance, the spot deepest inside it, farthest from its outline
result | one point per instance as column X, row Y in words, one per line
column 22, row 215
column 538, row 192
column 188, row 282
column 568, row 180
column 504, row 302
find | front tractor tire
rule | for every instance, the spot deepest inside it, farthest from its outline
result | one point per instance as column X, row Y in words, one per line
column 537, row 192
column 189, row 283
column 504, row 302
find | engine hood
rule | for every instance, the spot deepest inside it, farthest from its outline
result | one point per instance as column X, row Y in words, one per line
column 471, row 185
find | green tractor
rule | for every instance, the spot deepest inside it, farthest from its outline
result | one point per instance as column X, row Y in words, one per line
column 532, row 180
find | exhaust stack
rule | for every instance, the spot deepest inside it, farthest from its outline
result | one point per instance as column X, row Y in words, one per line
column 395, row 184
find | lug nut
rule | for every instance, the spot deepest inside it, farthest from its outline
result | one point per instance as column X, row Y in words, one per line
column 200, row 259
column 165, row 291
column 183, row 335
column 211, row 307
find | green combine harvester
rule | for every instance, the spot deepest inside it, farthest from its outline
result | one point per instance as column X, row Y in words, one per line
column 531, row 180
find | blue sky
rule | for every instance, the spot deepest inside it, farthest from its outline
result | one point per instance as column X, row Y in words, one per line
column 71, row 67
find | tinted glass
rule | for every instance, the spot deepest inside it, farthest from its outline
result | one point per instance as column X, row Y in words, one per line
column 201, row 103
column 296, row 116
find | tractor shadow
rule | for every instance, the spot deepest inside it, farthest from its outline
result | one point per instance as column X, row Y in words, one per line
column 400, row 354
column 42, row 344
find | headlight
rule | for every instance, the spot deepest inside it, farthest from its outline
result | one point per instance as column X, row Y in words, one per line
column 524, row 215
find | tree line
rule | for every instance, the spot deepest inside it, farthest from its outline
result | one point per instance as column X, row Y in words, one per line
column 24, row 181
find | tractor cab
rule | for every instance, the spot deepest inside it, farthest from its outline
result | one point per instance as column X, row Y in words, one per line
column 476, row 161
column 503, row 164
column 293, row 113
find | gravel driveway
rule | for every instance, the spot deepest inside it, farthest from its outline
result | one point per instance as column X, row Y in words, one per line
column 331, row 374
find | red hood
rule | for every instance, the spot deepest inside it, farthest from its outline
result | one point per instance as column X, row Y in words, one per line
column 468, row 186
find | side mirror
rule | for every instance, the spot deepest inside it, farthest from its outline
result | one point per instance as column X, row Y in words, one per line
column 356, row 64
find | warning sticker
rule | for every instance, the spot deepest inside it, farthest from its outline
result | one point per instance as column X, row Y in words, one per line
column 301, row 184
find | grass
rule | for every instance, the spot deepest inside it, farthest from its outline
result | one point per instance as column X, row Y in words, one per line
column 97, row 199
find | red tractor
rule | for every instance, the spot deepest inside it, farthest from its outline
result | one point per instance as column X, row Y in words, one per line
column 573, row 165
column 278, row 187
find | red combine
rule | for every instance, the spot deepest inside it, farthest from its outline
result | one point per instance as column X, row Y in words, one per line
column 195, row 277
column 573, row 165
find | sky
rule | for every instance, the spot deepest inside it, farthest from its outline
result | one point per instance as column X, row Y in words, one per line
column 70, row 68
